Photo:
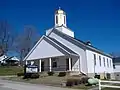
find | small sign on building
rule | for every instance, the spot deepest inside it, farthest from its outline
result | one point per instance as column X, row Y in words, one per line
column 31, row 69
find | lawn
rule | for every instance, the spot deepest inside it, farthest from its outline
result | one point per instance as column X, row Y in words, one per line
column 49, row 80
column 10, row 70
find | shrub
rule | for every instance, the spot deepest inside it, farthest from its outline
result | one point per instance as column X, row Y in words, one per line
column 50, row 73
column 31, row 75
column 20, row 74
column 97, row 76
column 35, row 76
column 70, row 82
column 62, row 74
column 84, row 79
column 27, row 75
column 80, row 82
column 76, row 81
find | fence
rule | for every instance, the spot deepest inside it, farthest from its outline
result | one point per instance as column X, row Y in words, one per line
column 110, row 84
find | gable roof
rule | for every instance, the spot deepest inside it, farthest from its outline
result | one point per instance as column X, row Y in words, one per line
column 75, row 41
column 63, row 46
column 8, row 58
column 33, row 48
column 2, row 57
column 14, row 58
column 78, row 42
column 55, row 43
column 63, row 27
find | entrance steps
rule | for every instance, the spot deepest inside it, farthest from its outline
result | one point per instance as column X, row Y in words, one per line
column 73, row 73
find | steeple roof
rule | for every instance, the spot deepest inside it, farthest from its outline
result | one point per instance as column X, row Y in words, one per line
column 60, row 11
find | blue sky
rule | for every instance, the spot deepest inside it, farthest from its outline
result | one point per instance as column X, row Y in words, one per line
column 94, row 20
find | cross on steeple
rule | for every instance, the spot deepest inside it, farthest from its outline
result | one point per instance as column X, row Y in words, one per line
column 59, row 8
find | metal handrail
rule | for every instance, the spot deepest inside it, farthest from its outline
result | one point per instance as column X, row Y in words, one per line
column 107, row 85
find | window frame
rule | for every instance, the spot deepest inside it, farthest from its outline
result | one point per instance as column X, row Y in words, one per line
column 64, row 20
column 94, row 59
column 100, row 60
column 56, row 19
column 110, row 62
column 54, row 63
column 104, row 61
column 107, row 62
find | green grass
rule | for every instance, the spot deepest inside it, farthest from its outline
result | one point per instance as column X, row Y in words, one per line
column 10, row 70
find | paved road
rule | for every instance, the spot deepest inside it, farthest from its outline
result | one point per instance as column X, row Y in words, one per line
column 12, row 85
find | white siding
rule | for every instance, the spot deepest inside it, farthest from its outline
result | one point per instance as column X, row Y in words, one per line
column 117, row 71
column 78, row 50
column 65, row 31
column 117, row 68
column 48, row 31
column 75, row 64
column 44, row 50
column 98, row 68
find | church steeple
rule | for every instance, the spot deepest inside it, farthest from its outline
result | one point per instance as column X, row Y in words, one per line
column 60, row 24
column 60, row 18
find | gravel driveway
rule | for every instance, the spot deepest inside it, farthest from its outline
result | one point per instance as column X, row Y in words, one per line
column 12, row 85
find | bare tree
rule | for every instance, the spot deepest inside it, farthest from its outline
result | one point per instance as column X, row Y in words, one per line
column 6, row 37
column 26, row 40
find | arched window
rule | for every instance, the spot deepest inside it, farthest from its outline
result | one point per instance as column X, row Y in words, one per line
column 64, row 19
column 56, row 19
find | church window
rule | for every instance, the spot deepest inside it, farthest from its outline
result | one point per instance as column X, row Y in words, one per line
column 107, row 62
column 114, row 66
column 64, row 19
column 104, row 61
column 94, row 59
column 110, row 63
column 100, row 60
column 56, row 19
column 54, row 64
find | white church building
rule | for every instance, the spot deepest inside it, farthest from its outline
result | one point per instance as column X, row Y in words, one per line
column 59, row 50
